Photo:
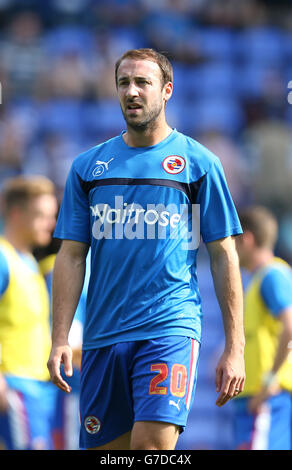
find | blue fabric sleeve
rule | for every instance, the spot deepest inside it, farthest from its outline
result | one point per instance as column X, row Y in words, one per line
column 4, row 273
column 219, row 218
column 73, row 218
column 276, row 290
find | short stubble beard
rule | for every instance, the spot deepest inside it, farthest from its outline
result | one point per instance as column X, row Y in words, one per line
column 147, row 123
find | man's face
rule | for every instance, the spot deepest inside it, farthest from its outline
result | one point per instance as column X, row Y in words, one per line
column 142, row 97
column 38, row 220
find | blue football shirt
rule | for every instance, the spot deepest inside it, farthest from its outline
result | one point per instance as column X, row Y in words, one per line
column 143, row 211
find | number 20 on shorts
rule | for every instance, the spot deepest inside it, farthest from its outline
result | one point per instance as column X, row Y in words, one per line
column 178, row 380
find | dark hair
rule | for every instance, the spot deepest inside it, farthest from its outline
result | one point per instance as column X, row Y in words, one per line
column 152, row 55
column 261, row 223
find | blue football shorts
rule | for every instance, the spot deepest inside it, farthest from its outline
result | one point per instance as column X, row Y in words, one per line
column 149, row 380
column 268, row 430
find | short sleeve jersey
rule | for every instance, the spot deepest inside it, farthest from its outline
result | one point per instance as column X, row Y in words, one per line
column 143, row 211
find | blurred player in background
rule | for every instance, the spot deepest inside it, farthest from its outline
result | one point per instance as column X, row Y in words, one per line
column 66, row 423
column 27, row 399
column 263, row 411
column 143, row 321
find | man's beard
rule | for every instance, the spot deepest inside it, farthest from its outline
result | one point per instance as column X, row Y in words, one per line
column 147, row 123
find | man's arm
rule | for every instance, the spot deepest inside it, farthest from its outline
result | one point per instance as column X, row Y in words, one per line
column 285, row 339
column 68, row 278
column 4, row 281
column 3, row 394
column 230, row 371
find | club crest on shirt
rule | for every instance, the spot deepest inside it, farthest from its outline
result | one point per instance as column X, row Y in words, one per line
column 92, row 424
column 174, row 164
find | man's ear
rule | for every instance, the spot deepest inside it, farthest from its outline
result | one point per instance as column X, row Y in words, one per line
column 168, row 89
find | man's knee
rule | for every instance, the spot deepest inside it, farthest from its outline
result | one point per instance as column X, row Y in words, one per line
column 154, row 435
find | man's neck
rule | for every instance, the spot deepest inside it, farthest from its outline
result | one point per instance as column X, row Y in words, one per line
column 147, row 137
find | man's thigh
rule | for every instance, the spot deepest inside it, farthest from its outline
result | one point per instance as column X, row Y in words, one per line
column 145, row 435
column 154, row 435
column 149, row 435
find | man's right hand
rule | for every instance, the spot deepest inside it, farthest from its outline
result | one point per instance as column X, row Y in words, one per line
column 60, row 355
